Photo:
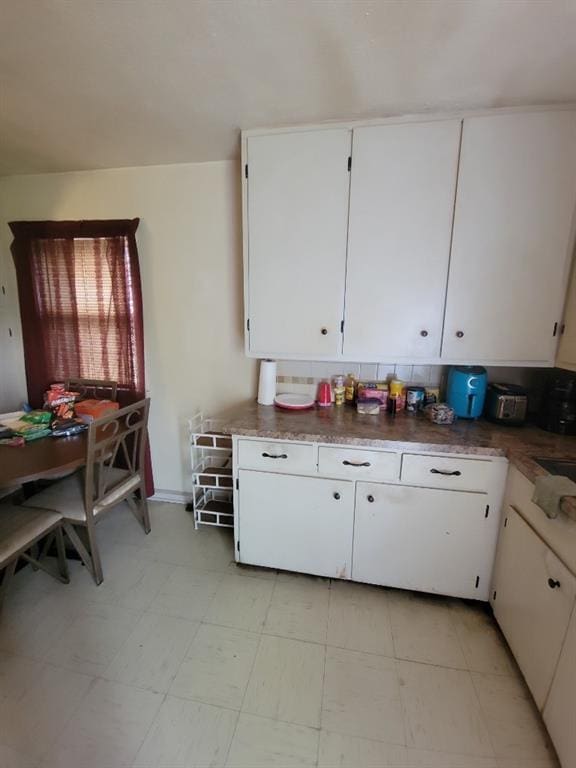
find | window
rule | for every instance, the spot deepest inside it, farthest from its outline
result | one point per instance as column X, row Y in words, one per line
column 80, row 303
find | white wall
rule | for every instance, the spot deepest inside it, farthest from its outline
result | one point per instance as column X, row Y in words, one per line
column 189, row 241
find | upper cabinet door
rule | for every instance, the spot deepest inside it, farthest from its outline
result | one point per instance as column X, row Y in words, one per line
column 297, row 211
column 512, row 237
column 401, row 206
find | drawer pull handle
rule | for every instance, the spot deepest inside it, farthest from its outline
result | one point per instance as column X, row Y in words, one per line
column 356, row 463
column 275, row 456
column 447, row 472
column 553, row 583
column 337, row 496
column 370, row 498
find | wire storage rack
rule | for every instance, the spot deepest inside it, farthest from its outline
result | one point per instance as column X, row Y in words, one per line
column 211, row 459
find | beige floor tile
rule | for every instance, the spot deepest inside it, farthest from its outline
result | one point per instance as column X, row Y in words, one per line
column 187, row 594
column 17, row 675
column 424, row 630
column 299, row 609
column 362, row 696
column 241, row 603
column 31, row 722
column 418, row 758
column 484, row 647
column 511, row 716
column 9, row 758
column 177, row 542
column 107, row 728
column 286, row 682
column 187, row 734
column 263, row 743
column 338, row 750
column 359, row 619
column 217, row 666
column 239, row 569
column 34, row 631
column 442, row 710
column 94, row 638
column 153, row 652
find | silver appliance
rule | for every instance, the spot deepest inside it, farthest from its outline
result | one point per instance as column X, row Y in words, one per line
column 506, row 403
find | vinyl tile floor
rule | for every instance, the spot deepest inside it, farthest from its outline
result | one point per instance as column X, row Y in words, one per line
column 181, row 659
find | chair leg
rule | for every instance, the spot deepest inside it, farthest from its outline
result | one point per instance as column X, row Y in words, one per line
column 6, row 579
column 62, row 561
column 91, row 559
column 35, row 553
column 143, row 503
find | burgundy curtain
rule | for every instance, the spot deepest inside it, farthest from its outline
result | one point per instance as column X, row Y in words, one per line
column 81, row 305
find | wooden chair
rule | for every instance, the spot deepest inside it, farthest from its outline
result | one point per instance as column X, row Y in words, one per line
column 21, row 530
column 84, row 497
column 95, row 388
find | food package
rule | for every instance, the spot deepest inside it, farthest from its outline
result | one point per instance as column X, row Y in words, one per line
column 373, row 390
column 369, row 406
column 37, row 417
column 60, row 401
column 90, row 410
column 440, row 413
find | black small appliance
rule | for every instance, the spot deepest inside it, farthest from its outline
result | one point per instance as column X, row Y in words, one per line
column 558, row 410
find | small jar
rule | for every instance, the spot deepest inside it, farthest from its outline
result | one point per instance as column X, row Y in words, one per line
column 339, row 390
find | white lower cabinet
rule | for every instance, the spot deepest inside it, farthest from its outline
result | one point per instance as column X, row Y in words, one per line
column 561, row 705
column 533, row 598
column 296, row 523
column 423, row 539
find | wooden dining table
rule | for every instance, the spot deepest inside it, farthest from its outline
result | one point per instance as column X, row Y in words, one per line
column 41, row 459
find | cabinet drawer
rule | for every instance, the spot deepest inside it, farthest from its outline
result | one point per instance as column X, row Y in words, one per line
column 276, row 457
column 358, row 464
column 443, row 472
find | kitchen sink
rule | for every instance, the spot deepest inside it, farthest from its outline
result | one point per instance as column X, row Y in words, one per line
column 565, row 467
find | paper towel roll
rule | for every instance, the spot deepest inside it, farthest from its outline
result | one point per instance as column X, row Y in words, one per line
column 267, row 382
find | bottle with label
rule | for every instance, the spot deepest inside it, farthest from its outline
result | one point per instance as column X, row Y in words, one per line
column 339, row 390
column 350, row 389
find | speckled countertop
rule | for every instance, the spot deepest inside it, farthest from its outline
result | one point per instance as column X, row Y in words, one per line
column 404, row 432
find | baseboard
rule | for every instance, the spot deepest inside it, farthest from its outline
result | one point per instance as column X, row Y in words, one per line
column 172, row 497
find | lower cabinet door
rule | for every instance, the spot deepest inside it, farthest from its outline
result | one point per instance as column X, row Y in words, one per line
column 423, row 539
column 296, row 523
column 561, row 705
column 534, row 596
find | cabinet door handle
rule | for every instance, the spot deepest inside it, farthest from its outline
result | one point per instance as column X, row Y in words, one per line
column 553, row 583
column 337, row 496
column 370, row 498
column 424, row 333
column 447, row 472
column 324, row 331
column 356, row 463
column 275, row 455
column 459, row 334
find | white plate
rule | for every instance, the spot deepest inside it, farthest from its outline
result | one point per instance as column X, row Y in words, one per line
column 293, row 402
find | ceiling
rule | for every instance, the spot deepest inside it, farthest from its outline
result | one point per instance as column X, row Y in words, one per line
column 114, row 83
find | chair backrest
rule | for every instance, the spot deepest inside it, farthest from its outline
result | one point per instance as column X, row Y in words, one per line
column 95, row 388
column 116, row 450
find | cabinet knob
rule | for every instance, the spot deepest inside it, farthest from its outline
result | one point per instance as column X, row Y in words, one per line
column 337, row 496
column 424, row 333
column 553, row 583
column 459, row 334
column 324, row 331
column 370, row 498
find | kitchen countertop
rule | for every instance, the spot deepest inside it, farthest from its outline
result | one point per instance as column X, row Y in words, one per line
column 403, row 432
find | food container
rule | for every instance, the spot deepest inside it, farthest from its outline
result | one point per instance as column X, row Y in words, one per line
column 440, row 413
column 324, row 394
column 415, row 399
column 432, row 395
column 373, row 390
column 91, row 410
column 339, row 390
column 369, row 406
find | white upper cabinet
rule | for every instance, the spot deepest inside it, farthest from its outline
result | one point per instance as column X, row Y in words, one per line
column 401, row 206
column 296, row 201
column 512, row 237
